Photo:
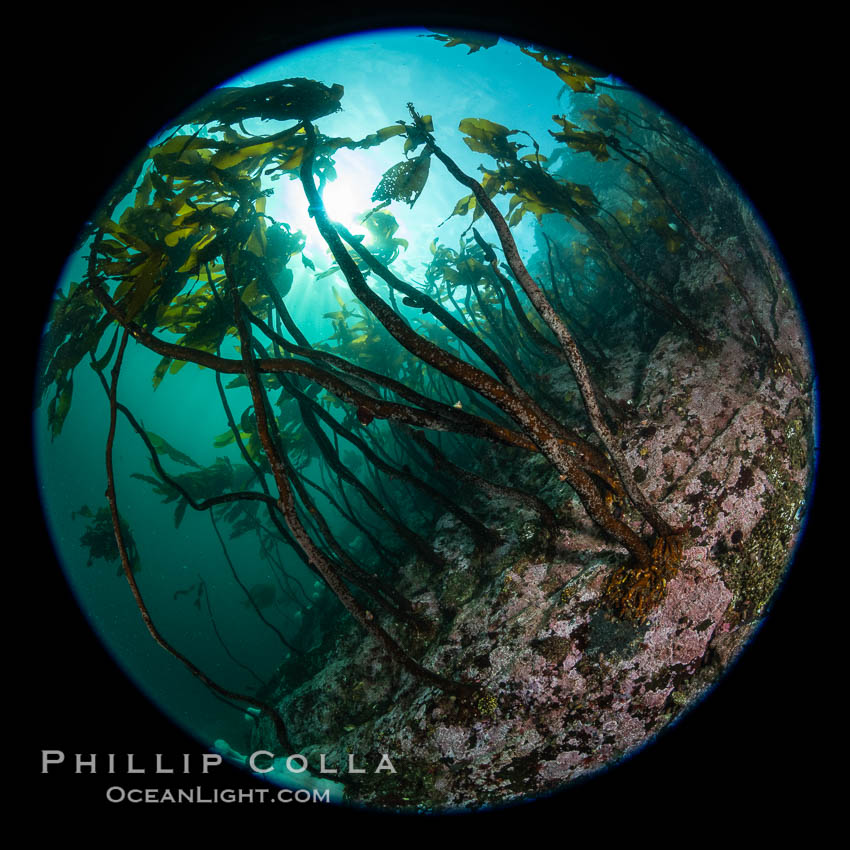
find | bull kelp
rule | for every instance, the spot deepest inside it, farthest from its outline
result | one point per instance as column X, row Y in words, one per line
column 448, row 431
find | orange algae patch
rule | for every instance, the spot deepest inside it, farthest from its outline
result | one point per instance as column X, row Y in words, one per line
column 633, row 590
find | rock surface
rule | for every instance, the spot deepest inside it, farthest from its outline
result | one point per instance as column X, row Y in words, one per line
column 721, row 441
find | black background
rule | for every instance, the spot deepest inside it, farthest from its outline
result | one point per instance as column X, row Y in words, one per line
column 758, row 744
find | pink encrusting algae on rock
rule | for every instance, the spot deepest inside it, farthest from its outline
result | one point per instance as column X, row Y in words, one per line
column 721, row 441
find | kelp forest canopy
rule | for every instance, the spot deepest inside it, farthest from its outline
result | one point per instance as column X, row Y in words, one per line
column 425, row 389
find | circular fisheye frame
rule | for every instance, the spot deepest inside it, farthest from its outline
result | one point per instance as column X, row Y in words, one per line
column 425, row 453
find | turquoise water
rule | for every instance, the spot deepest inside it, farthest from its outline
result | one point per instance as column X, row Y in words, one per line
column 380, row 73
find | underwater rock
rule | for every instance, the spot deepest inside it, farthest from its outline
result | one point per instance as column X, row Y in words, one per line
column 571, row 689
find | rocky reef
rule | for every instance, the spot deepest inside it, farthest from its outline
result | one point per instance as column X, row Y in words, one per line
column 722, row 442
